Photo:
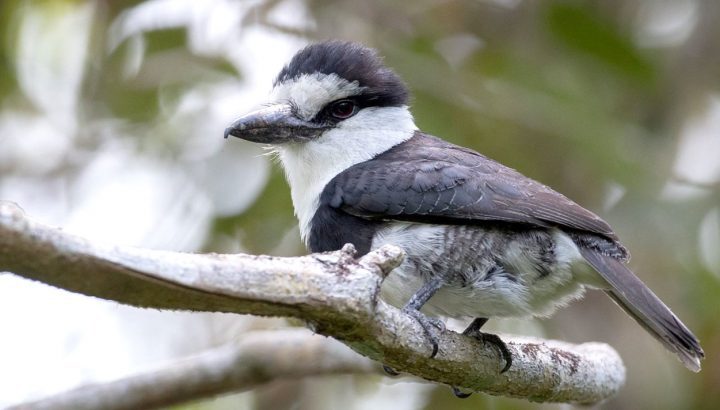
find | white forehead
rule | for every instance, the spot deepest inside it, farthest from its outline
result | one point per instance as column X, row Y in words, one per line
column 309, row 93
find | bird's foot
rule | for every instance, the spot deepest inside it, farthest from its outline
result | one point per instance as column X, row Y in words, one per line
column 390, row 371
column 495, row 340
column 474, row 331
column 460, row 394
column 431, row 327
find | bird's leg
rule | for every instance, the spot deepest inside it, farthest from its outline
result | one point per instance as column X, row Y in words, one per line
column 417, row 301
column 474, row 331
column 413, row 307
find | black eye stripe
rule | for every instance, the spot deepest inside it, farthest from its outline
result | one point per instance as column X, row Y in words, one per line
column 361, row 101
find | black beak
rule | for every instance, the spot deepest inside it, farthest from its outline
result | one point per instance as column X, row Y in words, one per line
column 274, row 125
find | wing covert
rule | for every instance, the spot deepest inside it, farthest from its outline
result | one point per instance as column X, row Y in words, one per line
column 426, row 179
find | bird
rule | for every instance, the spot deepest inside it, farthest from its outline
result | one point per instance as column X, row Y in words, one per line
column 481, row 240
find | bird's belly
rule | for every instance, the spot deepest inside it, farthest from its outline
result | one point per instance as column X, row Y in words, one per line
column 486, row 272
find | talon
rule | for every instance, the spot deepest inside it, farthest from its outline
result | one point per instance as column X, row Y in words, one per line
column 504, row 352
column 435, row 349
column 427, row 323
column 460, row 394
column 495, row 340
column 474, row 331
column 390, row 371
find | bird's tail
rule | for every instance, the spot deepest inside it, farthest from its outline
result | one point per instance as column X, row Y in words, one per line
column 628, row 291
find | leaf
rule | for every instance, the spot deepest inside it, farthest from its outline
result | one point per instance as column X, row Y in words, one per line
column 589, row 33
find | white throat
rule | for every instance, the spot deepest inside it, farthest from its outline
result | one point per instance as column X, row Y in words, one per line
column 311, row 165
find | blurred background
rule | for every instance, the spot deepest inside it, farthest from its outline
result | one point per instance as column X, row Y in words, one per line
column 111, row 124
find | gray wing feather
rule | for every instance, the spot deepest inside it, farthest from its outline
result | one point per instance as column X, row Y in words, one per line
column 427, row 178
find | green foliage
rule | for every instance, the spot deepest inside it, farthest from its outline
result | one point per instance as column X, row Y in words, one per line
column 583, row 29
column 7, row 72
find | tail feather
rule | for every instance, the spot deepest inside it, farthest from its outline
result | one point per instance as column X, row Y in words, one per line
column 628, row 291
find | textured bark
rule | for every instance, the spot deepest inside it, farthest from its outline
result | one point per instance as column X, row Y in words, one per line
column 260, row 357
column 336, row 294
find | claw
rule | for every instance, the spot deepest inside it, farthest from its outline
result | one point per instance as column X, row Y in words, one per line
column 474, row 331
column 460, row 394
column 390, row 371
column 427, row 323
column 495, row 340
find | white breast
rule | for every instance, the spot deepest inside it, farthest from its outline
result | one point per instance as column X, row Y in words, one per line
column 309, row 166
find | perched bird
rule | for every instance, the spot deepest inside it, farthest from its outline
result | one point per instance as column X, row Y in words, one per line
column 481, row 239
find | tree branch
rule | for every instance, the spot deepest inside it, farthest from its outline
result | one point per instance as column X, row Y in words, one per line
column 259, row 357
column 334, row 292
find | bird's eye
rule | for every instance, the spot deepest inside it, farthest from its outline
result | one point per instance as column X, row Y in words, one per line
column 343, row 109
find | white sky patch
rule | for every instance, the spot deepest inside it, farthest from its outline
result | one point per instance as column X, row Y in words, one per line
column 698, row 159
column 614, row 192
column 682, row 191
column 709, row 241
column 509, row 4
column 666, row 23
column 395, row 395
column 126, row 199
column 55, row 340
column 235, row 177
column 456, row 49
column 209, row 22
column 50, row 60
column 40, row 149
column 292, row 14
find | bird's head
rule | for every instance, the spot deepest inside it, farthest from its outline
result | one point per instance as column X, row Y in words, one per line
column 330, row 86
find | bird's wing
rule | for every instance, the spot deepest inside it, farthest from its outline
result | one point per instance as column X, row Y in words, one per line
column 426, row 179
